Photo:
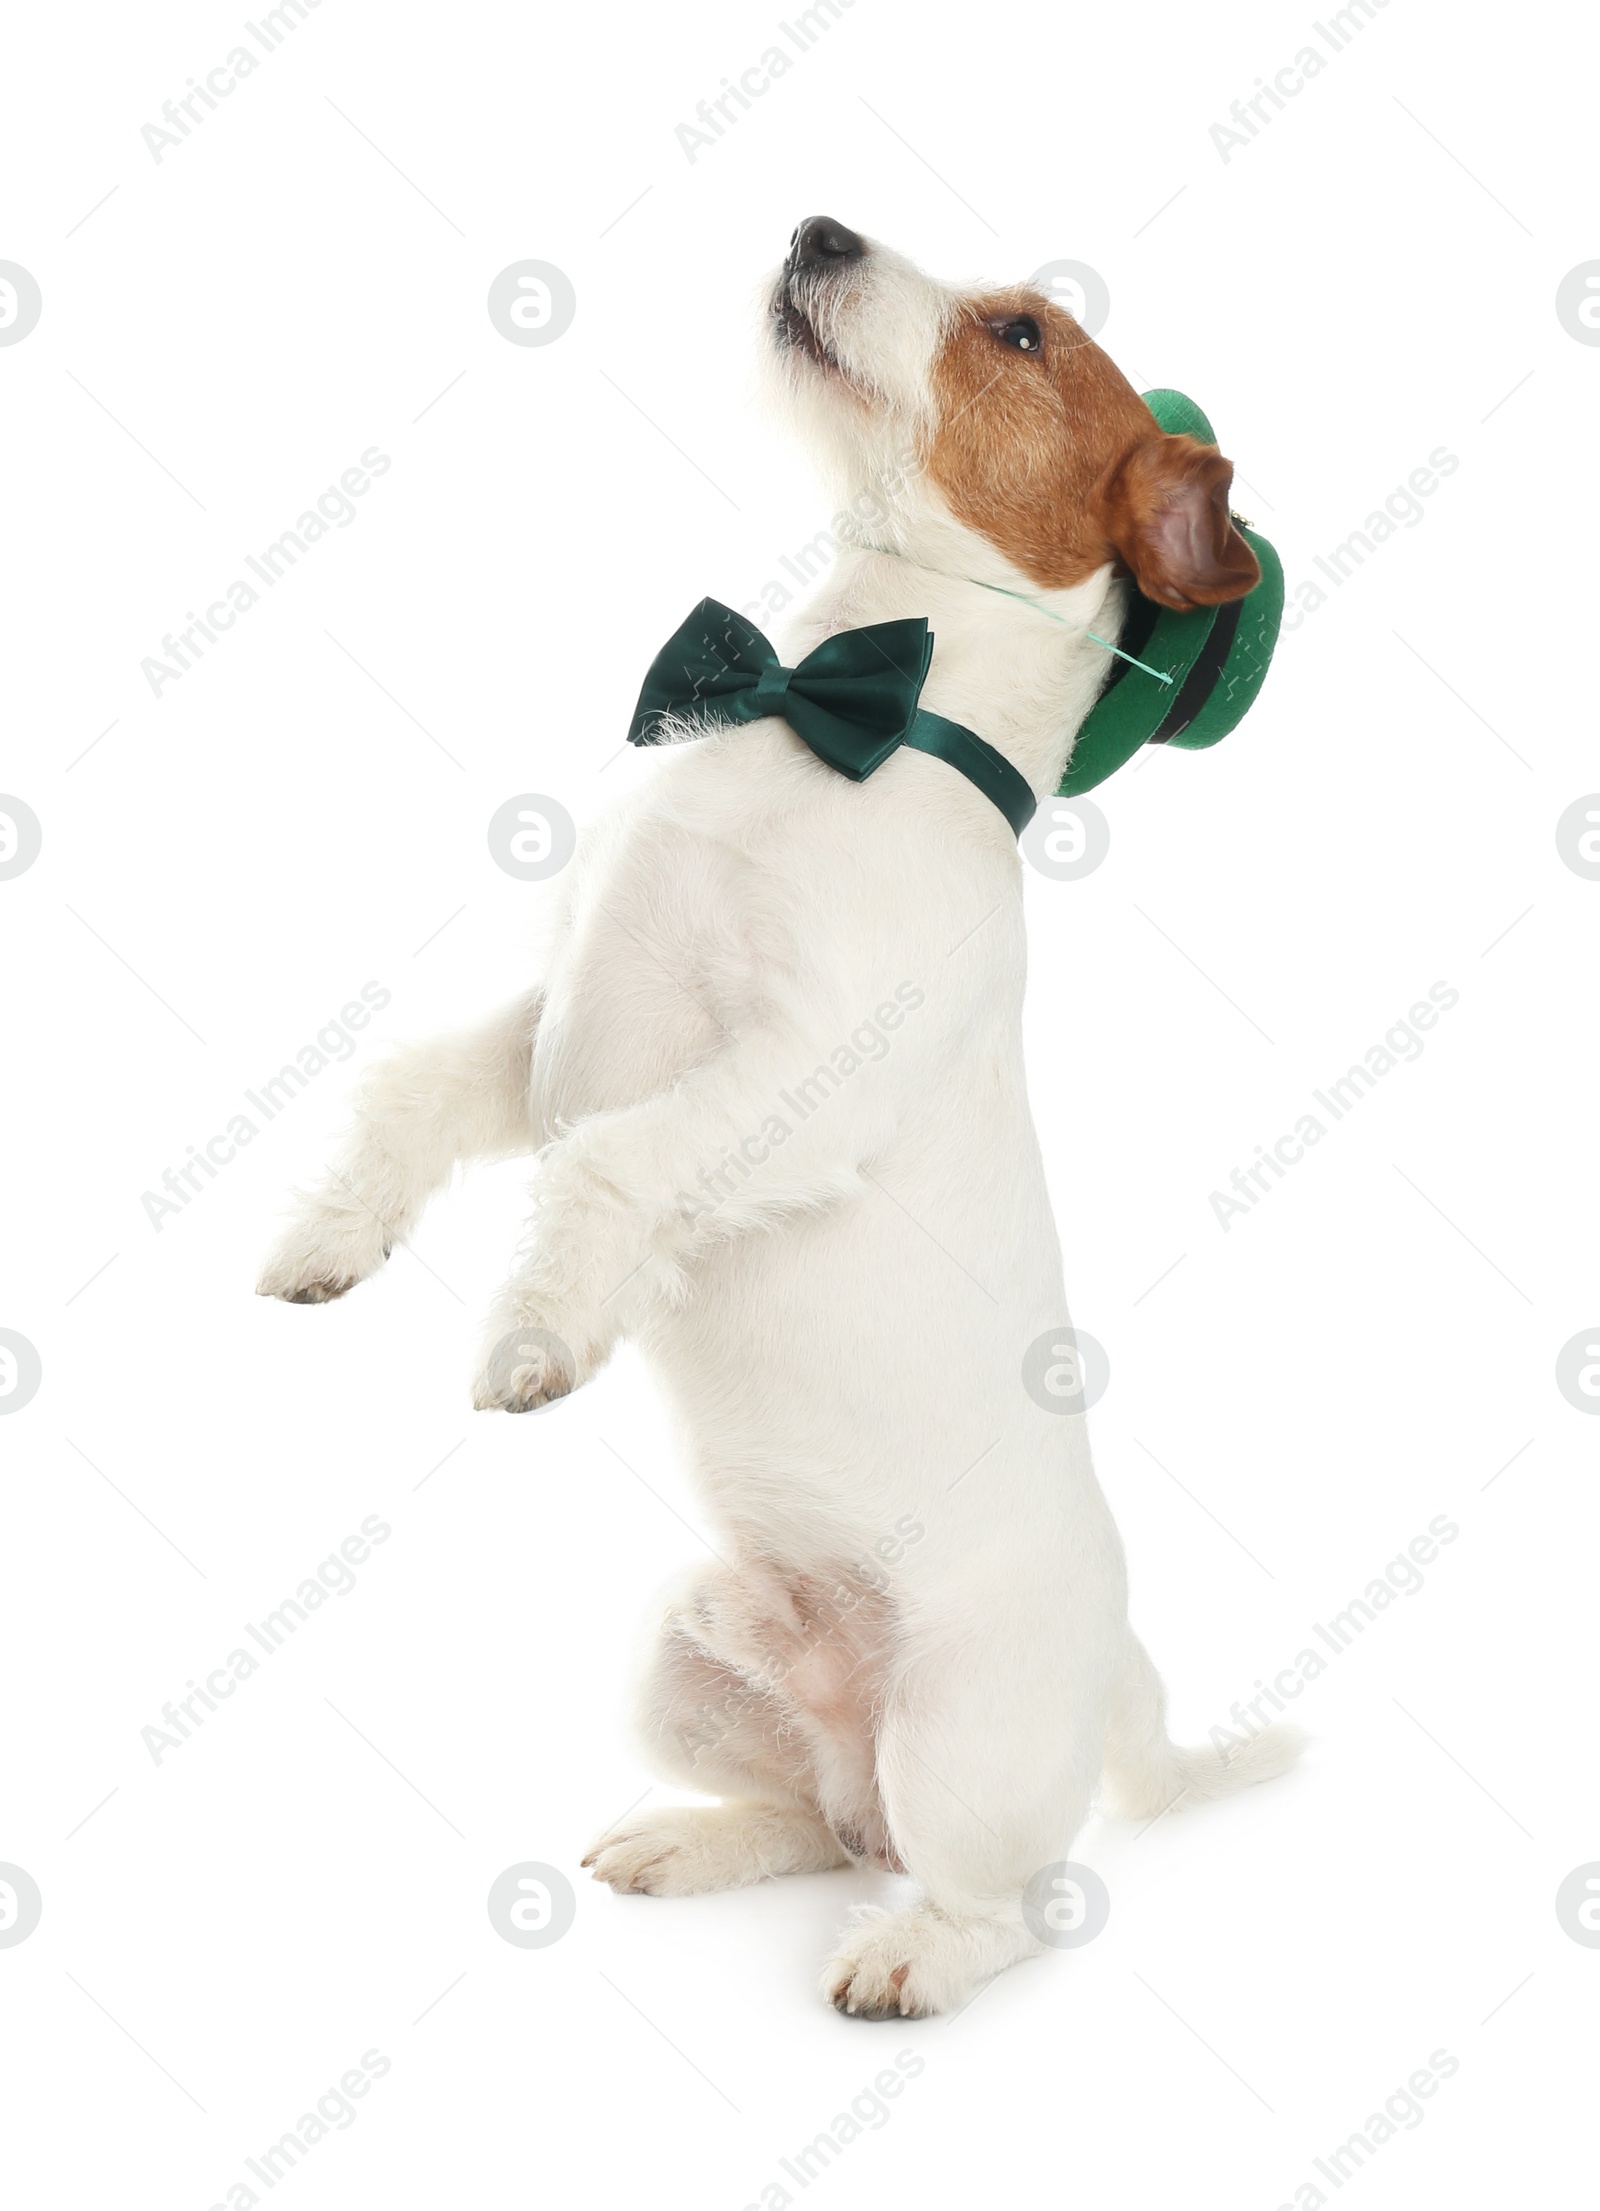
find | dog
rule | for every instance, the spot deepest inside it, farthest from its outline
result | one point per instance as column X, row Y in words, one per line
column 773, row 1080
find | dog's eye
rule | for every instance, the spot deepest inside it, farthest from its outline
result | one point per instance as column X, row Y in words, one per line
column 1020, row 332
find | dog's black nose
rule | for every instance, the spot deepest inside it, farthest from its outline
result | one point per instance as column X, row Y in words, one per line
column 820, row 240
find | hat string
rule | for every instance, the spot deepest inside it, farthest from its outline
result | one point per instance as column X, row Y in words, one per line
column 1023, row 600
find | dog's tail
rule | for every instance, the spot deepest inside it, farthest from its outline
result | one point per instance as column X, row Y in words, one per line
column 1146, row 1773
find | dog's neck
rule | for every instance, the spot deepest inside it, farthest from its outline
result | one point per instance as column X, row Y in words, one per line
column 1021, row 672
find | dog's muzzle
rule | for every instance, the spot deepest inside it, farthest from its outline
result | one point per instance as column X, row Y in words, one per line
column 819, row 249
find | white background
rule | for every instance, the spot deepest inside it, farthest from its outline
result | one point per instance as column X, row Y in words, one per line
column 1373, row 1345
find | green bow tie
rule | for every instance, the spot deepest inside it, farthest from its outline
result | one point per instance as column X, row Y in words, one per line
column 853, row 700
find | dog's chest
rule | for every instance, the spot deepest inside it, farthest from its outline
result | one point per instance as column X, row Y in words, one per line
column 756, row 892
column 674, row 949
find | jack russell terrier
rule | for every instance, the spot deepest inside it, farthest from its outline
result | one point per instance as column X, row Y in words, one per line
column 773, row 1078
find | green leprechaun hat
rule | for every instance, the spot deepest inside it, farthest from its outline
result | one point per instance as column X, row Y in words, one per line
column 1213, row 659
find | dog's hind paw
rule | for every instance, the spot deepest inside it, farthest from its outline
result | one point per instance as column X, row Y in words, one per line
column 693, row 1850
column 525, row 1367
column 910, row 1965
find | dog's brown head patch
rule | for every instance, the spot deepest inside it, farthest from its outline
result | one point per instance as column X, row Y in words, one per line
column 1041, row 444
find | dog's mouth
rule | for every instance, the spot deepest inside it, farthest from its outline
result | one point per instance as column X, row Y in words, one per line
column 823, row 256
column 797, row 333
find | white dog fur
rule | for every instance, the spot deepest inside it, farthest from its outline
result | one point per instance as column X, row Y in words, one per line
column 919, row 1653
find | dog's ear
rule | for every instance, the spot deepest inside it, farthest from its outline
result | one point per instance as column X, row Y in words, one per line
column 1165, row 510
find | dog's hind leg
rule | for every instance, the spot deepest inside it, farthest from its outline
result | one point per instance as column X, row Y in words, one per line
column 988, row 1748
column 708, row 1725
column 418, row 1113
column 1146, row 1773
column 990, row 1738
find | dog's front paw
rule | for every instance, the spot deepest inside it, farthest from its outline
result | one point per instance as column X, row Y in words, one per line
column 322, row 1253
column 529, row 1364
column 909, row 1965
